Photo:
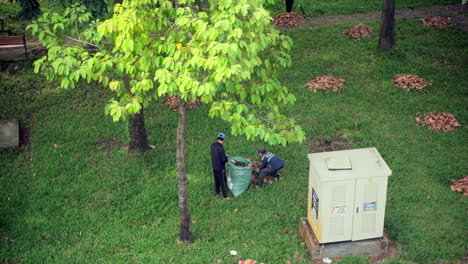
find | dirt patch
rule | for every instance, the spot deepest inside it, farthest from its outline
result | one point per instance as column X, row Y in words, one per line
column 340, row 140
column 324, row 145
column 289, row 20
column 438, row 121
column 437, row 22
column 359, row 31
column 326, row 83
column 390, row 252
column 25, row 135
column 107, row 144
column 410, row 82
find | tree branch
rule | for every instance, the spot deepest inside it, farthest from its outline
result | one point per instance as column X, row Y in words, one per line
column 82, row 41
column 264, row 119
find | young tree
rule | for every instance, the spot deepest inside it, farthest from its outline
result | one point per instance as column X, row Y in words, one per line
column 227, row 56
column 77, row 51
column 387, row 27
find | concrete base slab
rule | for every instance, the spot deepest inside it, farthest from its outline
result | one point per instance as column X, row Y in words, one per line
column 370, row 247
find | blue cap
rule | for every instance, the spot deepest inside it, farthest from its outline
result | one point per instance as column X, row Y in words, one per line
column 222, row 136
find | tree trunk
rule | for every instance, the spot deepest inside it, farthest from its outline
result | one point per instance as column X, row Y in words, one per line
column 289, row 5
column 387, row 28
column 184, row 210
column 138, row 138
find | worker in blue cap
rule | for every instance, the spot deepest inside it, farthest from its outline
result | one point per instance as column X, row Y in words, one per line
column 271, row 164
column 218, row 161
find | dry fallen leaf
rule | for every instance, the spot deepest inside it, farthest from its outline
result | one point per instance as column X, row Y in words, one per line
column 439, row 121
column 289, row 20
column 359, row 31
column 173, row 103
column 409, row 82
column 460, row 186
column 326, row 83
column 437, row 22
column 172, row 259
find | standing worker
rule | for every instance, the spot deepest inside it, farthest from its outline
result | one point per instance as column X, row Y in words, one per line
column 218, row 161
column 271, row 164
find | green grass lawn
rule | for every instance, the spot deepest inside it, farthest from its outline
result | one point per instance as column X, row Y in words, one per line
column 75, row 196
column 336, row 7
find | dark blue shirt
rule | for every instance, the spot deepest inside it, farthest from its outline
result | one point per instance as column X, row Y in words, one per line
column 270, row 160
column 218, row 157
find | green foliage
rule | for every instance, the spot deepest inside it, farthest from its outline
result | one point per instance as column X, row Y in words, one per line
column 227, row 56
column 98, row 8
column 29, row 9
column 88, row 201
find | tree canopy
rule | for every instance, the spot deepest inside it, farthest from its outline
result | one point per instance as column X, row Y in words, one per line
column 228, row 56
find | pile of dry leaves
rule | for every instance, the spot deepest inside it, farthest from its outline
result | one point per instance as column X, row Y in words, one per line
column 173, row 102
column 289, row 20
column 409, row 82
column 460, row 186
column 438, row 121
column 359, row 31
column 326, row 82
column 437, row 22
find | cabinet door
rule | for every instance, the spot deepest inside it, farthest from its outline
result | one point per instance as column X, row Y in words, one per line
column 369, row 208
column 336, row 210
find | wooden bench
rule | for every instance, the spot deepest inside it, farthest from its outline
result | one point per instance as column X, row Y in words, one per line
column 13, row 42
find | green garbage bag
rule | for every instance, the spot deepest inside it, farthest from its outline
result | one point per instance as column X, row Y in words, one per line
column 238, row 179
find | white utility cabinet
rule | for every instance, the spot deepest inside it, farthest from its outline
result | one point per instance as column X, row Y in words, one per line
column 347, row 194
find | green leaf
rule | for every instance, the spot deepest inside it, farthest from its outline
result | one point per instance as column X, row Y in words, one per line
column 64, row 83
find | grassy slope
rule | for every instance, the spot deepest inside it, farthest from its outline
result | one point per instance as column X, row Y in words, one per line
column 327, row 7
column 78, row 203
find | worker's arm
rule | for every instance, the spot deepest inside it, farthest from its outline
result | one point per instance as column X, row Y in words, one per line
column 222, row 155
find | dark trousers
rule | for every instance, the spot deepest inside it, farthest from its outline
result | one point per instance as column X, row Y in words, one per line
column 220, row 182
column 265, row 172
column 289, row 5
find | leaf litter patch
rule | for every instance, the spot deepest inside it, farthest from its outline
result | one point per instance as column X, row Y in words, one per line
column 460, row 186
column 437, row 22
column 289, row 20
column 326, row 83
column 438, row 121
column 173, row 102
column 340, row 140
column 410, row 82
column 359, row 31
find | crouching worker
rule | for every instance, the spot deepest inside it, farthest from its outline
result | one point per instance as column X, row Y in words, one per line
column 271, row 165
